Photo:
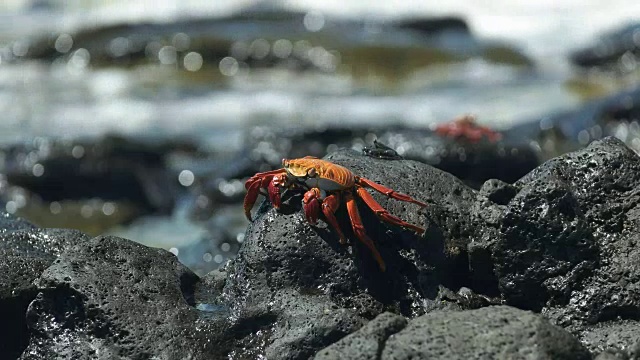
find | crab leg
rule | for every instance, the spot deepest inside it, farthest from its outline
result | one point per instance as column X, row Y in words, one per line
column 382, row 213
column 358, row 229
column 364, row 182
column 329, row 206
column 261, row 176
column 252, row 195
column 311, row 205
column 261, row 181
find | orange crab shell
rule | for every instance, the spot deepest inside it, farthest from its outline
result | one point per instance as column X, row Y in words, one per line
column 322, row 174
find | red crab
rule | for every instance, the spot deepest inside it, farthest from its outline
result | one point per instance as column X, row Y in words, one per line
column 327, row 185
column 465, row 127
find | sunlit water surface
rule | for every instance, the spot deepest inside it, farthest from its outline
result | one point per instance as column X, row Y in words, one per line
column 73, row 100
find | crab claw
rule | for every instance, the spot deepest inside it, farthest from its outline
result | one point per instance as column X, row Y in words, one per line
column 274, row 194
column 253, row 190
column 311, row 205
column 256, row 183
column 274, row 189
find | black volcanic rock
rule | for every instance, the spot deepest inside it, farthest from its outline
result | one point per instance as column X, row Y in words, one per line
column 366, row 343
column 111, row 298
column 500, row 332
column 10, row 223
column 566, row 243
column 547, row 243
column 315, row 291
column 561, row 241
column 25, row 252
column 109, row 168
column 472, row 162
column 220, row 180
column 514, row 334
column 430, row 40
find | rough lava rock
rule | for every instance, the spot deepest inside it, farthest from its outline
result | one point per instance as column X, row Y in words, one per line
column 9, row 223
column 561, row 241
column 473, row 162
column 293, row 290
column 565, row 244
column 496, row 332
column 500, row 332
column 311, row 291
column 112, row 298
column 25, row 251
column 366, row 343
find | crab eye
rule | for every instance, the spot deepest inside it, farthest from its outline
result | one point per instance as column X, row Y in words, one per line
column 285, row 162
column 311, row 172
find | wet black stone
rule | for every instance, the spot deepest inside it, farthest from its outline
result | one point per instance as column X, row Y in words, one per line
column 9, row 223
column 111, row 298
column 366, row 343
column 617, row 336
column 25, row 252
column 109, row 168
column 265, row 147
column 317, row 291
column 473, row 163
column 566, row 243
column 130, row 44
column 498, row 191
column 561, row 241
column 491, row 333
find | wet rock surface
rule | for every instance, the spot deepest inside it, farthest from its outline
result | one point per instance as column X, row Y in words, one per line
column 112, row 298
column 514, row 334
column 25, row 251
column 565, row 244
column 472, row 161
column 561, row 241
column 366, row 343
column 538, row 244
column 108, row 168
column 286, row 265
column 9, row 223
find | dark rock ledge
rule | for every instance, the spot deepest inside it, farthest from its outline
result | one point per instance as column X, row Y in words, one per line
column 547, row 267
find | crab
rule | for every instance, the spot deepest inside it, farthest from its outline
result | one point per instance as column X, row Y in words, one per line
column 326, row 186
column 465, row 127
column 381, row 151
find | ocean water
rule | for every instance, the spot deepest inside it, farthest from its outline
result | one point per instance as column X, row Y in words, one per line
column 42, row 100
